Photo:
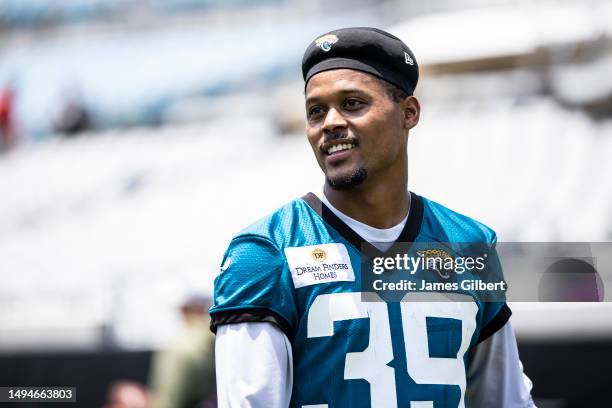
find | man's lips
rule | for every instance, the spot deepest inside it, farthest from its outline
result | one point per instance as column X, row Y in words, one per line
column 338, row 151
column 339, row 156
column 338, row 146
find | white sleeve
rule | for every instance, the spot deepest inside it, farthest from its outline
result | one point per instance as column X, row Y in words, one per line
column 254, row 364
column 495, row 375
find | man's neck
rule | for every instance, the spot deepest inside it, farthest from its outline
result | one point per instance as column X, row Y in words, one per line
column 380, row 205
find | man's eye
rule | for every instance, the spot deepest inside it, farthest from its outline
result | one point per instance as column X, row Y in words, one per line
column 315, row 111
column 352, row 103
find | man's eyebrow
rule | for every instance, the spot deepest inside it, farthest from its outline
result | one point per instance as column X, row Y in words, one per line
column 315, row 98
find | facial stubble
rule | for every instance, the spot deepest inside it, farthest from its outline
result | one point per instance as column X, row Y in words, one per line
column 355, row 178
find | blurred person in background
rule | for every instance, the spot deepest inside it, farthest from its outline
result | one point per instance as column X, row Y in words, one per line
column 7, row 125
column 183, row 376
column 127, row 394
column 73, row 117
column 571, row 280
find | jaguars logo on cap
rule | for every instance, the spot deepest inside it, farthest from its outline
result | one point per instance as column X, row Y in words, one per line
column 326, row 42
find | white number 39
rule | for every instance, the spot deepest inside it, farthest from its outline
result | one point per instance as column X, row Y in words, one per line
column 371, row 363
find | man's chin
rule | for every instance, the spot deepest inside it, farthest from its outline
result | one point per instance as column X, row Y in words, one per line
column 348, row 180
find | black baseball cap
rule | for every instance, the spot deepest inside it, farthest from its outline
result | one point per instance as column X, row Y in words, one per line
column 365, row 49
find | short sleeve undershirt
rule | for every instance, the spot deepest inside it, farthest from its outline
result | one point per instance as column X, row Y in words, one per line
column 380, row 238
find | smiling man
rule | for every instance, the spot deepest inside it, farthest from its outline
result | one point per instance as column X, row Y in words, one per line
column 292, row 326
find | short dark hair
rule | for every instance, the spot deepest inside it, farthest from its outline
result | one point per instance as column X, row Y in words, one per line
column 395, row 93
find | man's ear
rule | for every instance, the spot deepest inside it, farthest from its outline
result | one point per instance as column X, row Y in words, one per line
column 412, row 111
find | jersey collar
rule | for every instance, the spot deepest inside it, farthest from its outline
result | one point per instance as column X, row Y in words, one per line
column 408, row 235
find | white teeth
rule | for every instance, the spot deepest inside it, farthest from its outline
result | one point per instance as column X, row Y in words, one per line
column 340, row 147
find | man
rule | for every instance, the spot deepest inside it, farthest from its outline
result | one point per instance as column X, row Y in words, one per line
column 292, row 327
column 7, row 111
column 183, row 375
column 127, row 394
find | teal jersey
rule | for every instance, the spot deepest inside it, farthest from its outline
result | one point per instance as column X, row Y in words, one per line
column 299, row 268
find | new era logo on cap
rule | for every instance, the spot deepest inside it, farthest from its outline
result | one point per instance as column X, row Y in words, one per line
column 408, row 58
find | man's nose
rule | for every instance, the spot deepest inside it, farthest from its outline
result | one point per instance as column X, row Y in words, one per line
column 333, row 121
